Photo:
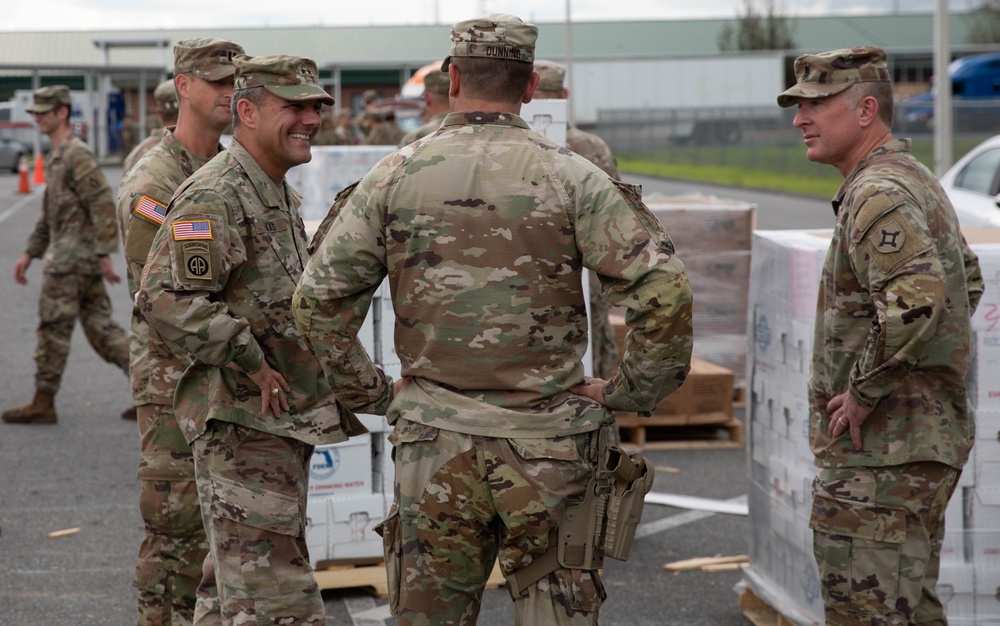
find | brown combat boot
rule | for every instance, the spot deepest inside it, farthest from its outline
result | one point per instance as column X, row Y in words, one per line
column 130, row 414
column 39, row 411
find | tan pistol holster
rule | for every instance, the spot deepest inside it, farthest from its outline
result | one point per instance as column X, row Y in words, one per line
column 602, row 525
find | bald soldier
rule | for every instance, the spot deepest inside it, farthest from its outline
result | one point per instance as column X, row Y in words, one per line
column 174, row 547
column 165, row 98
column 436, row 85
column 551, row 85
column 890, row 423
column 218, row 284
column 482, row 230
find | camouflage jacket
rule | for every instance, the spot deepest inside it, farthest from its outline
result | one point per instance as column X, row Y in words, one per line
column 483, row 230
column 143, row 196
column 218, row 283
column 419, row 133
column 893, row 319
column 386, row 133
column 594, row 149
column 140, row 150
column 77, row 224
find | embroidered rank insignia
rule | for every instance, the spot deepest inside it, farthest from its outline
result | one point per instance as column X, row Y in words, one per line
column 151, row 209
column 195, row 229
column 197, row 260
column 888, row 237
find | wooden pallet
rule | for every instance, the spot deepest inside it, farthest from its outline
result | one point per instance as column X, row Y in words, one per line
column 372, row 578
column 760, row 613
column 684, row 436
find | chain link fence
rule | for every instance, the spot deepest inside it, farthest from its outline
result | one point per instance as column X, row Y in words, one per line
column 763, row 138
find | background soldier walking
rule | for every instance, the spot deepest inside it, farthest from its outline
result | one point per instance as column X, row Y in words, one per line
column 75, row 234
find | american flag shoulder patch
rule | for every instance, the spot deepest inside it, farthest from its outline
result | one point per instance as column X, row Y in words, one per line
column 151, row 209
column 192, row 229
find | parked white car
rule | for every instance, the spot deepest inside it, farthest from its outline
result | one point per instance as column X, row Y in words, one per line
column 973, row 185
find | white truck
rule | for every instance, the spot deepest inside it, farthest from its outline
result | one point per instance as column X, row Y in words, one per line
column 16, row 123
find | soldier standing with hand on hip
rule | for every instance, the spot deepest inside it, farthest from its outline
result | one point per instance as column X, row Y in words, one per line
column 76, row 235
column 482, row 230
column 218, row 283
column 174, row 547
column 890, row 423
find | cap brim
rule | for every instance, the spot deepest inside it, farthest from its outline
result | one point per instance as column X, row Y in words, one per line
column 304, row 91
column 40, row 108
column 790, row 96
column 445, row 63
column 217, row 73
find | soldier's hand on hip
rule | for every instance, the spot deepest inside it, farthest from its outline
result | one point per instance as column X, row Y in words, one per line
column 272, row 390
column 846, row 414
column 592, row 388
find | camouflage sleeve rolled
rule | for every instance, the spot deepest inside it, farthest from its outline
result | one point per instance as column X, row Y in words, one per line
column 179, row 304
column 334, row 294
column 973, row 276
column 634, row 258
column 895, row 261
column 95, row 197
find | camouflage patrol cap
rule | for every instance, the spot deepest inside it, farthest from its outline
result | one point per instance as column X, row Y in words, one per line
column 828, row 73
column 165, row 95
column 208, row 59
column 437, row 81
column 494, row 36
column 551, row 76
column 288, row 77
column 48, row 98
column 369, row 96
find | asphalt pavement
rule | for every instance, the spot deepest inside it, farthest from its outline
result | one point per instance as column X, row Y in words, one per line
column 80, row 474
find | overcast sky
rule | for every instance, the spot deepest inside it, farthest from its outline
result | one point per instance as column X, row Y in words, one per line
column 146, row 14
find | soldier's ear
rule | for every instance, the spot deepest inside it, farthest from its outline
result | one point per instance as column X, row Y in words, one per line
column 248, row 112
column 867, row 111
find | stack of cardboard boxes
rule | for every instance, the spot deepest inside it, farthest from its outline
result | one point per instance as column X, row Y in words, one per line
column 350, row 483
column 783, row 290
column 713, row 237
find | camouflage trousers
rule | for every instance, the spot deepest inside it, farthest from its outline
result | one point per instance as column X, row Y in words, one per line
column 877, row 535
column 461, row 502
column 252, row 487
column 64, row 299
column 604, row 348
column 174, row 546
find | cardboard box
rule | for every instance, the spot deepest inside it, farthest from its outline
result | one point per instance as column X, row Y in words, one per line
column 706, row 397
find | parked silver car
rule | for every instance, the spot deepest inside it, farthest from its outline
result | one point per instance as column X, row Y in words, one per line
column 973, row 185
column 11, row 152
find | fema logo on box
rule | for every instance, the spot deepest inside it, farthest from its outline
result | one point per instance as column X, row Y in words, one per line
column 762, row 333
column 324, row 463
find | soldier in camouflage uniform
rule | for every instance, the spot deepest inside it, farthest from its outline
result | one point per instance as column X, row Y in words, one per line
column 483, row 229
column 595, row 150
column 218, row 283
column 436, row 85
column 384, row 131
column 174, row 547
column 75, row 234
column 890, row 426
column 165, row 97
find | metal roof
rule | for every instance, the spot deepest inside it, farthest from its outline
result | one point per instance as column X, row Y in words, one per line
column 415, row 45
